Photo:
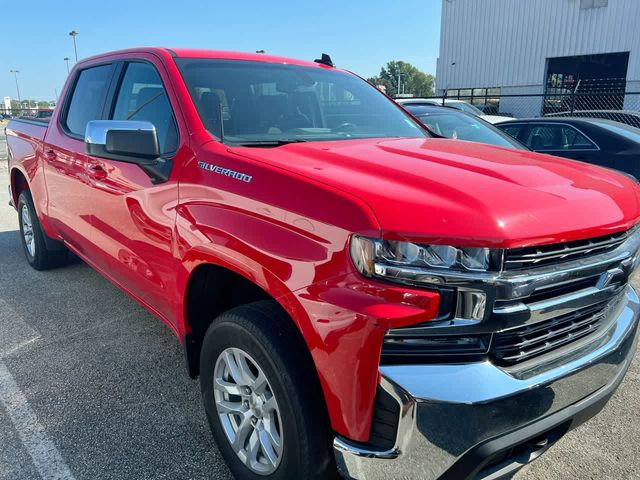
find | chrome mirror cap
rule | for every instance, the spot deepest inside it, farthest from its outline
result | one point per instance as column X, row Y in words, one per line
column 96, row 131
column 124, row 140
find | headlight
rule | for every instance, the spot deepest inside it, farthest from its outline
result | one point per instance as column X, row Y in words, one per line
column 371, row 257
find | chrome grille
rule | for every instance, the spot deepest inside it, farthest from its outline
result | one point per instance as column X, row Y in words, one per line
column 522, row 344
column 531, row 257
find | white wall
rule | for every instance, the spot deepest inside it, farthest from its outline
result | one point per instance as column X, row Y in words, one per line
column 498, row 43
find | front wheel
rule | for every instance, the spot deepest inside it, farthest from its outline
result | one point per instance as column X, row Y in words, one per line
column 262, row 397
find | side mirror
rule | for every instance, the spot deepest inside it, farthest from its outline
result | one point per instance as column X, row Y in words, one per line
column 128, row 141
column 124, row 140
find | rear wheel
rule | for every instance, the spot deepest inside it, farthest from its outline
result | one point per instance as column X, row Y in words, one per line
column 39, row 255
column 262, row 397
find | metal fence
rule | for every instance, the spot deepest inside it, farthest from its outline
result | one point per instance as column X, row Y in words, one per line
column 612, row 99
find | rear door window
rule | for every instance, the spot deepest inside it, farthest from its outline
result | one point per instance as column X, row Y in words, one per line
column 87, row 98
column 512, row 130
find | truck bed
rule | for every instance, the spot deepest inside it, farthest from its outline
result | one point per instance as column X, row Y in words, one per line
column 27, row 128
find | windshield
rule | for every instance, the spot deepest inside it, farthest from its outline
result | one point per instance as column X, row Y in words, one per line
column 459, row 125
column 254, row 103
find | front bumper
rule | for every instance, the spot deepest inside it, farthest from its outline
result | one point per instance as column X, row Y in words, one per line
column 480, row 421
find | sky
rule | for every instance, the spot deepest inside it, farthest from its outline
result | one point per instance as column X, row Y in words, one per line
column 360, row 35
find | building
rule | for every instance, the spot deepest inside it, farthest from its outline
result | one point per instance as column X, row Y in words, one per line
column 492, row 48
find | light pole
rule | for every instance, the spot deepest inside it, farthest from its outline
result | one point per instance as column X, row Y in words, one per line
column 66, row 59
column 399, row 79
column 15, row 74
column 73, row 34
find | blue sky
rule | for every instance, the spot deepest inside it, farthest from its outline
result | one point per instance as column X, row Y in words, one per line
column 359, row 35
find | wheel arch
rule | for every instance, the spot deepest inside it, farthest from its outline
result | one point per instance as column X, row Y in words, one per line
column 19, row 183
column 216, row 283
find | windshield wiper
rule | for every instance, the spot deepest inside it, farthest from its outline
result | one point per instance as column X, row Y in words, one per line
column 267, row 143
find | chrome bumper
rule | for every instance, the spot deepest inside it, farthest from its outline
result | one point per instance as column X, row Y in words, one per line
column 463, row 421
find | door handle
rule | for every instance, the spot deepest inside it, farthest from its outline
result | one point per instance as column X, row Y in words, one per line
column 96, row 171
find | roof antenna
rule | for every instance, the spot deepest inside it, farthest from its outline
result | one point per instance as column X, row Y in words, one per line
column 325, row 60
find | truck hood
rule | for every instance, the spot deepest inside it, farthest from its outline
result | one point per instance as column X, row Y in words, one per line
column 463, row 193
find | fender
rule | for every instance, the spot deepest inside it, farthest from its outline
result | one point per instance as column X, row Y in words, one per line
column 210, row 254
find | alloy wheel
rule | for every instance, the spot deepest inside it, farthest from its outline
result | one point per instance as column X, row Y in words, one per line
column 248, row 411
column 27, row 231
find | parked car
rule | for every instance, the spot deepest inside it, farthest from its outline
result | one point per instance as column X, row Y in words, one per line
column 452, row 103
column 600, row 142
column 459, row 125
column 43, row 114
column 623, row 116
column 352, row 293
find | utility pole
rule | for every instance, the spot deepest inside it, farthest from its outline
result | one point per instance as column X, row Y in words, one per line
column 73, row 34
column 15, row 74
column 399, row 77
column 66, row 59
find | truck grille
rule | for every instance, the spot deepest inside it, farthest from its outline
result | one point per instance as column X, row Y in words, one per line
column 525, row 343
column 530, row 257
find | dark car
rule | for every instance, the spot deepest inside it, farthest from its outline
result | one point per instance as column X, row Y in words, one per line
column 456, row 124
column 593, row 140
column 622, row 116
column 43, row 114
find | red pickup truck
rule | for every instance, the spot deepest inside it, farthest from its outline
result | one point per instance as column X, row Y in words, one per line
column 356, row 295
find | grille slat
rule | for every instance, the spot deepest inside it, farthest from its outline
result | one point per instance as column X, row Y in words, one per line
column 527, row 257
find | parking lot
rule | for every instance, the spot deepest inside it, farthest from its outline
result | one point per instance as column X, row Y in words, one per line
column 93, row 387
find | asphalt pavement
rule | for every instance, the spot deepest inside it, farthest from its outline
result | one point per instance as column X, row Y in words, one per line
column 94, row 387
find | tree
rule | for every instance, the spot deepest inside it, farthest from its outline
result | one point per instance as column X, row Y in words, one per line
column 412, row 80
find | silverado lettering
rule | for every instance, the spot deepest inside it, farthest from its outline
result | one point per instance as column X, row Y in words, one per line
column 225, row 171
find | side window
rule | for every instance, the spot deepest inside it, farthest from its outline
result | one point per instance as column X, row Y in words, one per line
column 87, row 98
column 578, row 141
column 557, row 137
column 143, row 97
column 512, row 130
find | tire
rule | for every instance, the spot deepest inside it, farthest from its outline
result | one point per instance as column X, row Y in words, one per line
column 261, row 335
column 39, row 255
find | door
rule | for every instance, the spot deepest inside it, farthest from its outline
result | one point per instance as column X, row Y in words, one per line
column 68, row 171
column 133, row 218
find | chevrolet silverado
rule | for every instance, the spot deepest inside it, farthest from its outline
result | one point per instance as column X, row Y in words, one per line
column 356, row 295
